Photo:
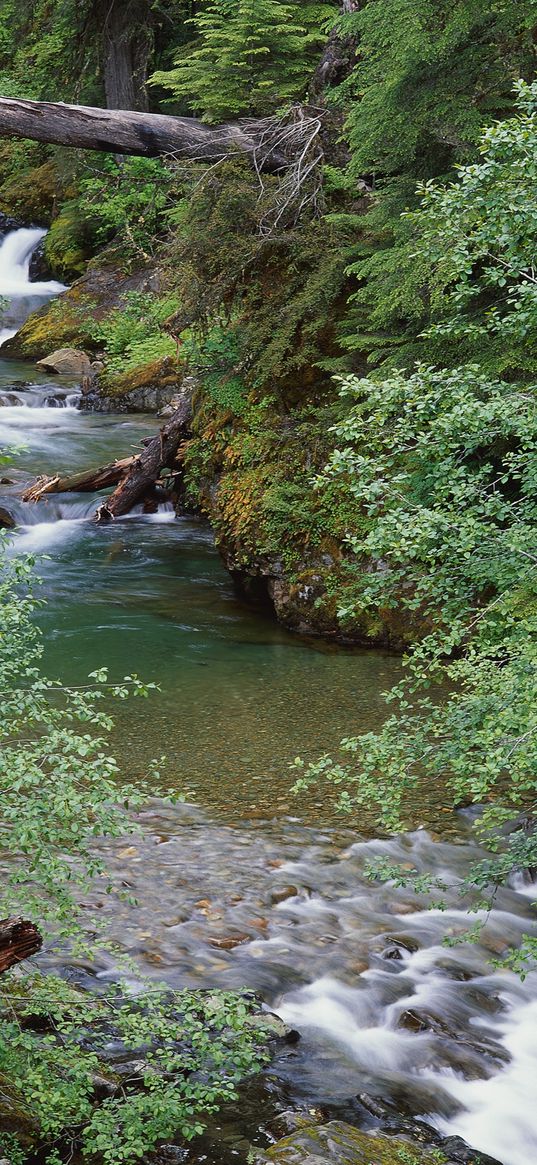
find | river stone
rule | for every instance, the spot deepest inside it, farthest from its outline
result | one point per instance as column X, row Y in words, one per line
column 337, row 1143
column 66, row 362
column 6, row 519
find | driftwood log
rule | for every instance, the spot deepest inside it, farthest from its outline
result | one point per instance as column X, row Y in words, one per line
column 87, row 481
column 121, row 131
column 161, row 452
column 18, row 940
column 135, row 477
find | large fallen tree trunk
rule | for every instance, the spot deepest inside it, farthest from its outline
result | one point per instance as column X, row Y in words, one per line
column 87, row 481
column 121, row 131
column 18, row 940
column 136, row 477
column 160, row 453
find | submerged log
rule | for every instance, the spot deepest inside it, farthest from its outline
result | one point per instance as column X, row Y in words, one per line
column 18, row 940
column 122, row 131
column 87, row 481
column 160, row 453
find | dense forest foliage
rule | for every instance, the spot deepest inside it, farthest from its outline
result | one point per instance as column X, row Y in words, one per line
column 361, row 328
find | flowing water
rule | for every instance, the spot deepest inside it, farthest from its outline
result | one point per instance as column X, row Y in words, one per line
column 21, row 296
column 254, row 887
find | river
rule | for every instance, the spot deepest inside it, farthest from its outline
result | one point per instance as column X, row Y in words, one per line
column 246, row 885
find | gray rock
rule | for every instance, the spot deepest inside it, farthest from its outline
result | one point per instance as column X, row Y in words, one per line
column 66, row 362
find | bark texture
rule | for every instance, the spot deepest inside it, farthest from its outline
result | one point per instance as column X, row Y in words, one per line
column 87, row 481
column 121, row 131
column 126, row 50
column 161, row 452
column 18, row 940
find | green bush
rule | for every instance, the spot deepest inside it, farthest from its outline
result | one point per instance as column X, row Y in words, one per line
column 59, row 792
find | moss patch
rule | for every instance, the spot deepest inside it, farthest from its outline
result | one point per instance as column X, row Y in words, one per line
column 341, row 1144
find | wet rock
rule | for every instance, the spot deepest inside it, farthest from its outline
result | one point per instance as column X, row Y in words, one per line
column 281, row 893
column 338, row 1143
column 274, row 1027
column 394, row 947
column 66, row 362
column 8, row 399
column 149, row 388
column 423, row 1021
column 453, row 1150
column 8, row 223
column 460, row 1153
column 229, row 942
column 7, row 522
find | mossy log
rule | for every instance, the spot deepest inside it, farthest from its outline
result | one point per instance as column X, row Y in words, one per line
column 122, row 131
column 18, row 940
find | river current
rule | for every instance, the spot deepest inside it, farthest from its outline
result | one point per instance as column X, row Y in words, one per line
column 247, row 885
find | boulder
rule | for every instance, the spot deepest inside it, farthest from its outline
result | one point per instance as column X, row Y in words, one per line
column 338, row 1143
column 6, row 520
column 66, row 362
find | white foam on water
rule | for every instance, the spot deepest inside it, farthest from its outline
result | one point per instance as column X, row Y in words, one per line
column 500, row 1114
column 439, row 1028
column 23, row 295
column 25, row 416
column 43, row 537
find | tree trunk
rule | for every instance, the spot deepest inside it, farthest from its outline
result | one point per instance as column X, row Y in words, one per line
column 126, row 49
column 140, row 479
column 87, row 481
column 126, row 132
column 18, row 940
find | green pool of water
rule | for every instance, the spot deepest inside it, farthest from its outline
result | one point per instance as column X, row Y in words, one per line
column 239, row 697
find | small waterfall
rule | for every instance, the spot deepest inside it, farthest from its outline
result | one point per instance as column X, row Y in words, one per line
column 23, row 296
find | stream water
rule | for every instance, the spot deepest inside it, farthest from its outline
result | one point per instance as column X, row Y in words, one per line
column 252, row 886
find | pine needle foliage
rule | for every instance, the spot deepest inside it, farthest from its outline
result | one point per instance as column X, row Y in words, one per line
column 429, row 75
column 250, row 56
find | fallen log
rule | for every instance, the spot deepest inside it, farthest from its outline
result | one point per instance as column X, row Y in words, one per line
column 87, row 481
column 160, row 453
column 122, row 131
column 18, row 940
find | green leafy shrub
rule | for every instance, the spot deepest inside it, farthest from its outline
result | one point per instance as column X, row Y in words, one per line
column 59, row 792
column 444, row 465
column 428, row 76
column 133, row 334
column 128, row 200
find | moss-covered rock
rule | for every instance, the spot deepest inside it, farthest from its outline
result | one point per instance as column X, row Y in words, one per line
column 338, row 1143
column 70, row 319
column 28, row 196
column 282, row 539
column 161, row 376
column 68, row 243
